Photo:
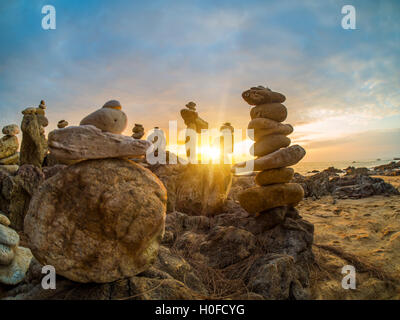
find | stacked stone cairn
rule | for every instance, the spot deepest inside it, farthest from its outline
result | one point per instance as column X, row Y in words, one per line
column 101, row 219
column 138, row 131
column 192, row 122
column 34, row 143
column 274, row 195
column 14, row 260
column 9, row 155
column 226, row 130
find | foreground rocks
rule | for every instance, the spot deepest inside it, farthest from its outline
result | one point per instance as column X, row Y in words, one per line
column 343, row 187
column 228, row 256
column 14, row 260
column 97, row 221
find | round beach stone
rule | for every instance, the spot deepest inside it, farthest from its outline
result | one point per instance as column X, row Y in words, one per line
column 264, row 126
column 8, row 236
column 6, row 254
column 62, row 124
column 260, row 95
column 107, row 119
column 258, row 199
column 8, row 146
column 4, row 220
column 15, row 272
column 113, row 104
column 11, row 160
column 272, row 176
column 98, row 220
column 273, row 111
column 11, row 130
column 267, row 144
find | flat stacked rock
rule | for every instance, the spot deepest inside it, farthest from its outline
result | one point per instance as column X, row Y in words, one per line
column 138, row 131
column 14, row 260
column 9, row 146
column 273, row 155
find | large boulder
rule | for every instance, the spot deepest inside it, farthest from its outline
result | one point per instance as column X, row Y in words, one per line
column 98, row 221
column 89, row 142
column 196, row 189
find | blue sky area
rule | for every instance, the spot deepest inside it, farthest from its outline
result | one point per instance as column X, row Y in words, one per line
column 342, row 86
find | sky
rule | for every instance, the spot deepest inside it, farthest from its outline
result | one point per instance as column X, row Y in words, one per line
column 342, row 86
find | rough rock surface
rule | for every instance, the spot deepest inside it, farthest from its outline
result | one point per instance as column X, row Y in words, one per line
column 228, row 256
column 19, row 189
column 195, row 189
column 98, row 220
column 345, row 187
column 89, row 142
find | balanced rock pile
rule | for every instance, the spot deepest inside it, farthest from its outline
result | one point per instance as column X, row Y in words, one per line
column 34, row 143
column 273, row 156
column 102, row 219
column 9, row 146
column 138, row 131
column 14, row 260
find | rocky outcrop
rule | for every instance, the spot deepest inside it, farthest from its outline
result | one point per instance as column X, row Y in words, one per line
column 195, row 189
column 89, row 142
column 343, row 187
column 97, row 221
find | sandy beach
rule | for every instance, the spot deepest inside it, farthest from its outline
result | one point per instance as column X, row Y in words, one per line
column 360, row 232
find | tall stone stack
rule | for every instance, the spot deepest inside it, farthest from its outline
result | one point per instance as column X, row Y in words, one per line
column 274, row 195
column 9, row 146
column 34, row 143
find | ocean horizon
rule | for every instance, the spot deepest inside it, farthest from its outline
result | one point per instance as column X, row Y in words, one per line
column 305, row 167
